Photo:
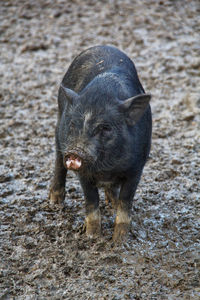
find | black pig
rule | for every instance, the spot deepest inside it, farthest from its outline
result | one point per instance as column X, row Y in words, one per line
column 103, row 133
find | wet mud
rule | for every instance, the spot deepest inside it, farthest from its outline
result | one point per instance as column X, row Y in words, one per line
column 44, row 253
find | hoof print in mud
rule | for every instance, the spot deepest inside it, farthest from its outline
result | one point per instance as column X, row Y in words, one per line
column 103, row 133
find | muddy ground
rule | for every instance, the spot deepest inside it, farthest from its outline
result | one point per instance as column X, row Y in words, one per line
column 44, row 253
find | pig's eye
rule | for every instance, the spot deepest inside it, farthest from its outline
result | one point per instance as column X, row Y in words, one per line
column 102, row 129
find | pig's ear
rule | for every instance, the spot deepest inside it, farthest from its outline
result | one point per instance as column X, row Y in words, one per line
column 69, row 95
column 134, row 107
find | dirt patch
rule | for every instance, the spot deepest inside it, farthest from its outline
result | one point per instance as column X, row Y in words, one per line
column 44, row 253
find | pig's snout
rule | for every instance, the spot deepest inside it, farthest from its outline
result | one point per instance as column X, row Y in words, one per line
column 73, row 160
column 73, row 163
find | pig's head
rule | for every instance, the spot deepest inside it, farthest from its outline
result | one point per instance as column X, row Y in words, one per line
column 96, row 131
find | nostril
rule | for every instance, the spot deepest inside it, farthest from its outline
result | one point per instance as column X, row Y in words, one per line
column 72, row 161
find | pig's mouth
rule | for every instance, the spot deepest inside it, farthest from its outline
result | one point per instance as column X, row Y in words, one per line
column 72, row 162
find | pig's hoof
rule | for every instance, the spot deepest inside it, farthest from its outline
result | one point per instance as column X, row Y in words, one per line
column 120, row 232
column 93, row 224
column 93, row 229
column 56, row 197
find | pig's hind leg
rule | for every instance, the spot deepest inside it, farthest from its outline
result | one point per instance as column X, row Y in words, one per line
column 111, row 196
column 57, row 187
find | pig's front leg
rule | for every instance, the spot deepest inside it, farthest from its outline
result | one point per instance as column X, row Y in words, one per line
column 124, row 206
column 57, row 187
column 93, row 216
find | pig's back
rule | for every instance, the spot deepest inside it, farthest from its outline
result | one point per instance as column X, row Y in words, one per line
column 94, row 61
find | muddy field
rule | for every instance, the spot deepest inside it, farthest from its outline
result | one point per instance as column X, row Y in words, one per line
column 44, row 253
